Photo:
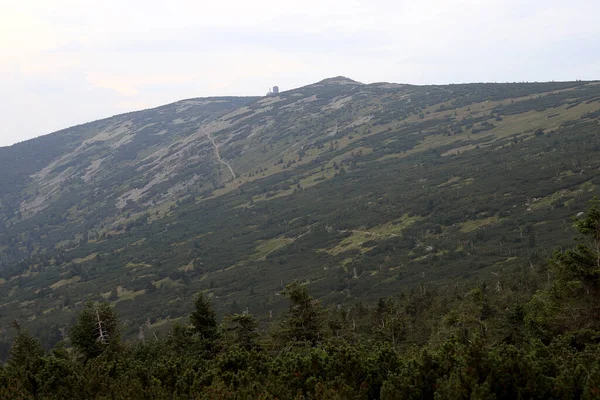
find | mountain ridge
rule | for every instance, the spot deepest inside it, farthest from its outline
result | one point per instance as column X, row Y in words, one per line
column 358, row 189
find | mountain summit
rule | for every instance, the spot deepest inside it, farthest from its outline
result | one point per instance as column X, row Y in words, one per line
column 338, row 80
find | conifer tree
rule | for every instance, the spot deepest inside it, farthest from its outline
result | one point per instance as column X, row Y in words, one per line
column 243, row 329
column 203, row 318
column 304, row 320
column 26, row 351
column 96, row 330
column 25, row 360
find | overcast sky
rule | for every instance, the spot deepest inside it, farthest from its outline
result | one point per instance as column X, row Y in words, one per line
column 64, row 62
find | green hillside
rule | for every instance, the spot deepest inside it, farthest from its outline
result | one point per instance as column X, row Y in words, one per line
column 359, row 191
column 531, row 335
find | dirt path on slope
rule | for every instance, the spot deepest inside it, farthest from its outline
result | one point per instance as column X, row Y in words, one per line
column 219, row 155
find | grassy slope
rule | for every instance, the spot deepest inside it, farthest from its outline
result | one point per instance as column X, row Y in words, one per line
column 360, row 189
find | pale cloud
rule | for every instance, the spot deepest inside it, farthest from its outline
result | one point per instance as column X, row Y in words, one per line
column 64, row 62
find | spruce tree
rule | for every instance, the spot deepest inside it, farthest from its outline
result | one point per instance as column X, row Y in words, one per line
column 96, row 330
column 26, row 360
column 203, row 318
column 304, row 319
column 26, row 351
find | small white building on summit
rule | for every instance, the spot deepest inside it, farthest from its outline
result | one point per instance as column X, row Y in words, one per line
column 273, row 92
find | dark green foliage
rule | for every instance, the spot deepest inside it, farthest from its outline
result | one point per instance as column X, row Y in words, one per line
column 26, row 351
column 25, row 362
column 243, row 329
column 573, row 300
column 424, row 344
column 583, row 263
column 304, row 320
column 203, row 318
column 96, row 331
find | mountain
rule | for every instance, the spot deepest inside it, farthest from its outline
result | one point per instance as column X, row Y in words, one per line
column 359, row 190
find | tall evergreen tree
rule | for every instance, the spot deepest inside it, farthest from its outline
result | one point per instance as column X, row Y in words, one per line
column 203, row 318
column 303, row 321
column 96, row 330
column 25, row 360
column 26, row 351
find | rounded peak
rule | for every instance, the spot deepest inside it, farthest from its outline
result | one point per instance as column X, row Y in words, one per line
column 338, row 80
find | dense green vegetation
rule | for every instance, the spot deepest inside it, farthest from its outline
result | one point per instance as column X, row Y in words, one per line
column 357, row 191
column 535, row 336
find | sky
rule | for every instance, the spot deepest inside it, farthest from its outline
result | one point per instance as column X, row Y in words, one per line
column 66, row 62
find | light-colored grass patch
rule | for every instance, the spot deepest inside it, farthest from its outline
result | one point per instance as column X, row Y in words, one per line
column 396, row 226
column 187, row 267
column 359, row 237
column 268, row 246
column 64, row 282
column 87, row 258
column 166, row 282
column 352, row 242
column 548, row 201
column 125, row 294
column 456, row 182
column 450, row 181
column 472, row 225
column 137, row 265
